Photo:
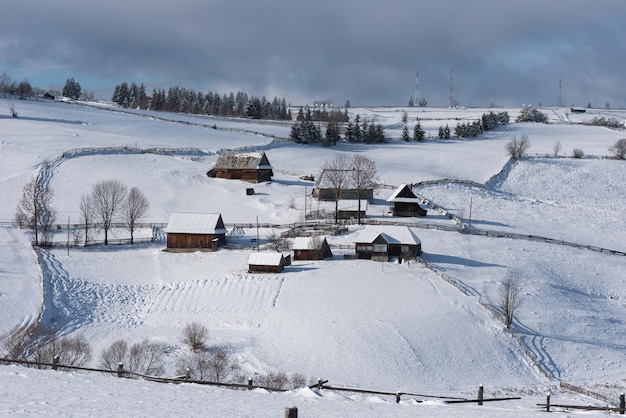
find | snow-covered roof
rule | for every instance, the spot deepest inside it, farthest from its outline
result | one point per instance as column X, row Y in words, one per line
column 403, row 194
column 239, row 160
column 265, row 259
column 195, row 223
column 391, row 233
column 304, row 243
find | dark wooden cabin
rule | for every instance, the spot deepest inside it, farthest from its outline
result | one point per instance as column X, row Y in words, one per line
column 251, row 167
column 381, row 243
column 324, row 190
column 195, row 232
column 311, row 248
column 267, row 262
column 405, row 203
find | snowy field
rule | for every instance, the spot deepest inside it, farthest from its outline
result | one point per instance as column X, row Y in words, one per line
column 384, row 326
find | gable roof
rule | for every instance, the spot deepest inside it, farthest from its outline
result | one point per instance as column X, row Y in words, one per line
column 392, row 234
column 265, row 259
column 305, row 243
column 403, row 194
column 241, row 161
column 195, row 223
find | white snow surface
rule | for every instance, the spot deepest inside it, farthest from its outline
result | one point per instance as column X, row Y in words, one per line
column 384, row 326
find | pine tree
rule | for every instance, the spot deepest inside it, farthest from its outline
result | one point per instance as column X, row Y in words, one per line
column 405, row 134
column 418, row 132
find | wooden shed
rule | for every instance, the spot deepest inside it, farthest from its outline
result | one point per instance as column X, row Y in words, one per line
column 311, row 248
column 405, row 203
column 251, row 167
column 324, row 190
column 383, row 242
column 267, row 262
column 350, row 209
column 195, row 232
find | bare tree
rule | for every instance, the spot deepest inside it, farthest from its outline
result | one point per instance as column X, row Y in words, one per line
column 510, row 297
column 136, row 207
column 335, row 172
column 142, row 358
column 71, row 351
column 12, row 110
column 86, row 214
column 35, row 209
column 619, row 149
column 517, row 147
column 556, row 149
column 195, row 335
column 363, row 176
column 578, row 153
column 107, row 198
column 276, row 242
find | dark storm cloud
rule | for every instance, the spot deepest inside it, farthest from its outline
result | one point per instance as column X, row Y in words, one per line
column 368, row 52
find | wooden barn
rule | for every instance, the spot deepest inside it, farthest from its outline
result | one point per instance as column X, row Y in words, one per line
column 381, row 243
column 267, row 262
column 324, row 190
column 405, row 203
column 349, row 209
column 195, row 232
column 251, row 167
column 311, row 248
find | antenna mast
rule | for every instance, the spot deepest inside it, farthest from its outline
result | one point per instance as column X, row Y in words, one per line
column 417, row 87
column 452, row 99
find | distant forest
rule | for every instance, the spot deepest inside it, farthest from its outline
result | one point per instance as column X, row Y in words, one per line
column 182, row 100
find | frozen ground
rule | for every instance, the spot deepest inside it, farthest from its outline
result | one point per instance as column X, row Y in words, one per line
column 384, row 326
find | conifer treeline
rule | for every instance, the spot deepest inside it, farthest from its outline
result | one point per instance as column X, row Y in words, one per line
column 180, row 99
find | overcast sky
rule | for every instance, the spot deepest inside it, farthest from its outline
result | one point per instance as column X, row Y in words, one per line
column 501, row 51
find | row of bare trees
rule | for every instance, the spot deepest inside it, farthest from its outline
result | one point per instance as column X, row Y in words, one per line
column 108, row 202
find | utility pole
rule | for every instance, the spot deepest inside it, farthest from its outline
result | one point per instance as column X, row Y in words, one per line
column 417, row 87
column 452, row 99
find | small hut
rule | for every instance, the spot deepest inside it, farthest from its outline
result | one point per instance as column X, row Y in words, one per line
column 195, row 232
column 382, row 242
column 405, row 203
column 351, row 209
column 267, row 262
column 251, row 167
column 311, row 248
column 323, row 189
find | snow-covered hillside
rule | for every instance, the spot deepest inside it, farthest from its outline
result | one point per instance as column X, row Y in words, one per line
column 386, row 326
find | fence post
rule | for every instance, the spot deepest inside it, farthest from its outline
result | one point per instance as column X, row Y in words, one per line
column 622, row 404
column 319, row 384
column 548, row 402
column 480, row 394
column 55, row 363
column 187, row 373
column 291, row 412
column 398, row 397
column 120, row 370
column 249, row 384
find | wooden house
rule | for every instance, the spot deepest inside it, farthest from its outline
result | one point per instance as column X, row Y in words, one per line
column 311, row 248
column 349, row 209
column 405, row 203
column 267, row 262
column 251, row 167
column 383, row 242
column 323, row 189
column 195, row 232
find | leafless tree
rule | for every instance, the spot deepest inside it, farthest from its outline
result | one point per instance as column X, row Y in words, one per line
column 12, row 110
column 35, row 209
column 510, row 297
column 276, row 242
column 336, row 172
column 135, row 208
column 363, row 176
column 86, row 214
column 71, row 351
column 518, row 147
column 578, row 153
column 143, row 358
column 619, row 149
column 556, row 149
column 107, row 198
column 195, row 335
